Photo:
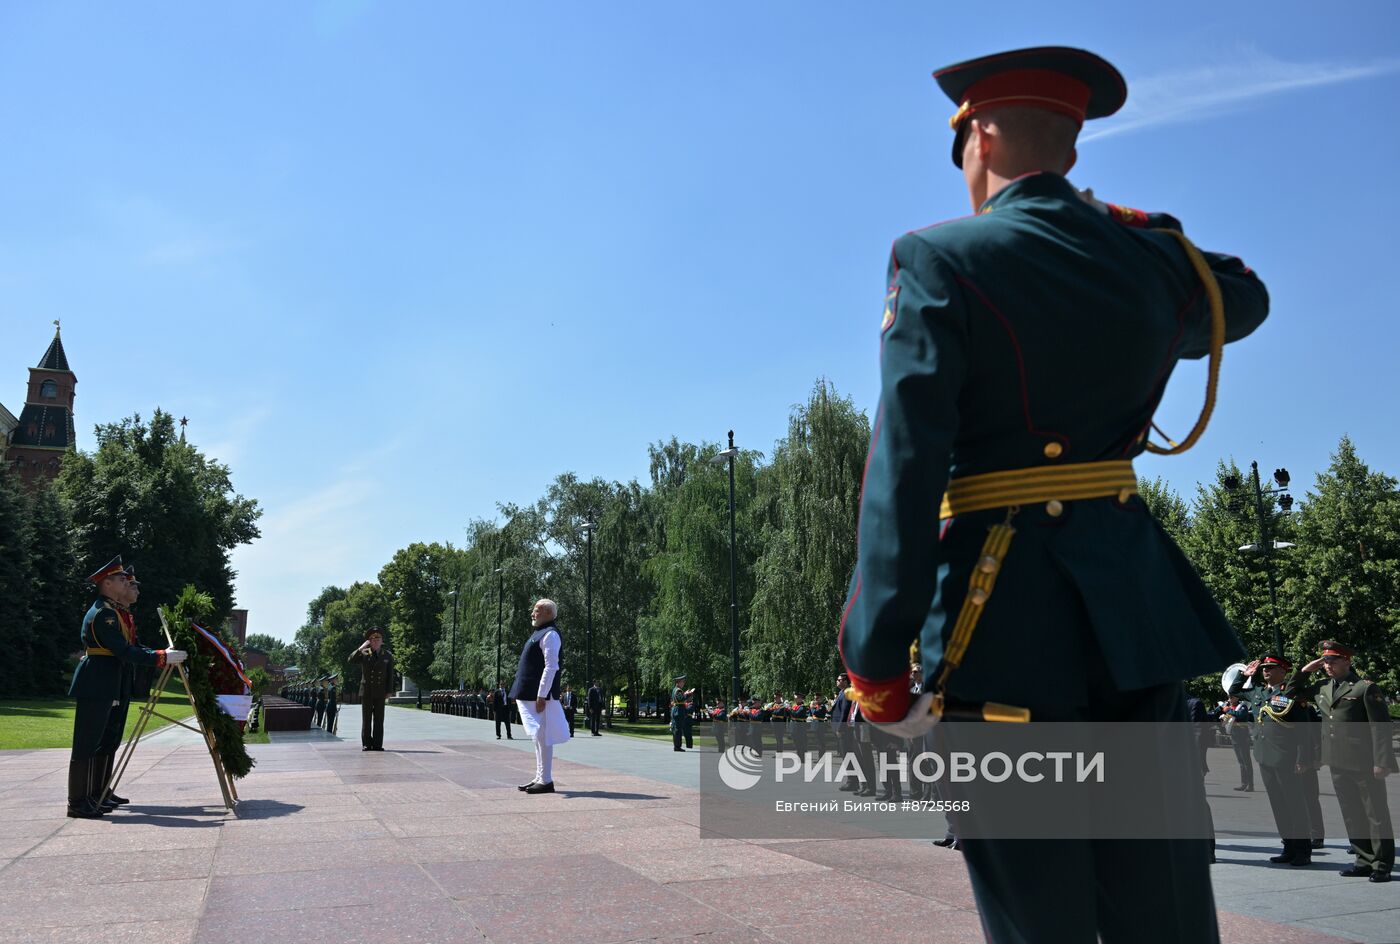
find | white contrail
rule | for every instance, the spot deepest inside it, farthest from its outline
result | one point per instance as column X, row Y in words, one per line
column 1210, row 90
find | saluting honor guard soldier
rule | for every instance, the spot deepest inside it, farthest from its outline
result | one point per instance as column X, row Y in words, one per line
column 1023, row 352
column 102, row 684
column 1356, row 746
column 377, row 666
column 1282, row 748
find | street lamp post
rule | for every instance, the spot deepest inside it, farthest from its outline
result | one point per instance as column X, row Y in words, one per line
column 729, row 454
column 500, row 592
column 589, row 527
column 452, row 666
column 1267, row 545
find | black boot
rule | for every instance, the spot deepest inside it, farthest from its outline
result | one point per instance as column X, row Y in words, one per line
column 112, row 801
column 80, row 805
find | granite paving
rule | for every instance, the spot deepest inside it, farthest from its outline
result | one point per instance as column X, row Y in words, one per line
column 430, row 841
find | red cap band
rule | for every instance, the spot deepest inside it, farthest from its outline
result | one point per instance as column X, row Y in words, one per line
column 1033, row 88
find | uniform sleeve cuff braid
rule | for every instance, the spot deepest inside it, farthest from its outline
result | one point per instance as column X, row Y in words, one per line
column 882, row 701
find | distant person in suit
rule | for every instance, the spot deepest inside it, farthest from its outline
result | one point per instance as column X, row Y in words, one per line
column 595, row 707
column 500, row 711
column 569, row 702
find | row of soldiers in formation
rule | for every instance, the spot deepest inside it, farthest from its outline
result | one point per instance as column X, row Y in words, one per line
column 480, row 703
column 320, row 696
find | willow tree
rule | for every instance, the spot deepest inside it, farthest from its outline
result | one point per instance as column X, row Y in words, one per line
column 809, row 501
column 687, row 629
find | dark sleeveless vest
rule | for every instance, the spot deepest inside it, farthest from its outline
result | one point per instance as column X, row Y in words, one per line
column 531, row 668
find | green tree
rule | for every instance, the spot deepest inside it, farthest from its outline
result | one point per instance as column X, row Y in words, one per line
column 16, row 584
column 56, row 597
column 1348, row 585
column 156, row 500
column 810, row 503
column 687, row 629
column 279, row 653
column 260, row 679
column 623, row 590
column 309, row 636
column 415, row 580
column 1169, row 508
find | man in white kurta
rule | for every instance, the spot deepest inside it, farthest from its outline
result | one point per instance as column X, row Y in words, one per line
column 536, row 692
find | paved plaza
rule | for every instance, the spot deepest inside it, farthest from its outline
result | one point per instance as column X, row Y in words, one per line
column 431, row 842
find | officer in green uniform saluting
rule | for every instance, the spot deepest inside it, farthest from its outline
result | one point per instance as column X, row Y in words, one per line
column 1283, row 749
column 680, row 714
column 1356, row 745
column 101, row 683
column 1024, row 350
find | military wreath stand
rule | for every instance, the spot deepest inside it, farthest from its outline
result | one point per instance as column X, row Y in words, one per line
column 149, row 709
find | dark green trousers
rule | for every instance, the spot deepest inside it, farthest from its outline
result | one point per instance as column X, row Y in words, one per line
column 1133, row 891
column 1366, row 812
column 1285, row 790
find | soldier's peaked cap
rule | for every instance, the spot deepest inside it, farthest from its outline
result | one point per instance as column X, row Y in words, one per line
column 1071, row 82
column 1330, row 647
column 109, row 569
column 1272, row 659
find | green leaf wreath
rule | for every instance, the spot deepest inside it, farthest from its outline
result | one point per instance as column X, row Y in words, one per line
column 191, row 607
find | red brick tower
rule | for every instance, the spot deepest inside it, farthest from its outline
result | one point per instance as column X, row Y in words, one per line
column 45, row 429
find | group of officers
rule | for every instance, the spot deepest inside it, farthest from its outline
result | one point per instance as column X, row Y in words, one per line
column 320, row 696
column 1298, row 721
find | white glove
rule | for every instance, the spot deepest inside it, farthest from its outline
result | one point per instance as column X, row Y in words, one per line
column 1087, row 195
column 174, row 656
column 919, row 720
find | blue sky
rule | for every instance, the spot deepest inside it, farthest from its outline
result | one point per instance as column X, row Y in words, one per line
column 400, row 261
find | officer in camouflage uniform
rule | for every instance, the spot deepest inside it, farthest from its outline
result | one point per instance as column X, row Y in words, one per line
column 1024, row 350
column 1356, row 745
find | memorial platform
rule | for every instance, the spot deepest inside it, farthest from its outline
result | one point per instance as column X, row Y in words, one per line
column 430, row 841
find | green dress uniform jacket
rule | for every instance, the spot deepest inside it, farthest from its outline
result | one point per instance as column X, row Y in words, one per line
column 1356, row 737
column 680, row 710
column 1280, row 736
column 1040, row 331
column 1356, row 726
column 378, row 672
column 101, row 676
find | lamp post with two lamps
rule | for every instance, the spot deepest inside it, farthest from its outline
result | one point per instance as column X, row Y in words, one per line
column 1266, row 545
column 589, row 527
column 500, row 603
column 454, row 594
column 720, row 456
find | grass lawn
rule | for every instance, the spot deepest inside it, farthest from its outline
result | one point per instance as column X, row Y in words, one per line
column 256, row 737
column 652, row 731
column 31, row 723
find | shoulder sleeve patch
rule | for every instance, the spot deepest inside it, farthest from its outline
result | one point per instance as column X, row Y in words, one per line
column 1127, row 215
column 891, row 309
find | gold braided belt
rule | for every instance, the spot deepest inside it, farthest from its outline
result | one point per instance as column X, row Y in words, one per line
column 99, row 651
column 1011, row 489
column 1058, row 483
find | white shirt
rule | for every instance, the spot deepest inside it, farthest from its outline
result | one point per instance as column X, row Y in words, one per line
column 550, row 646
